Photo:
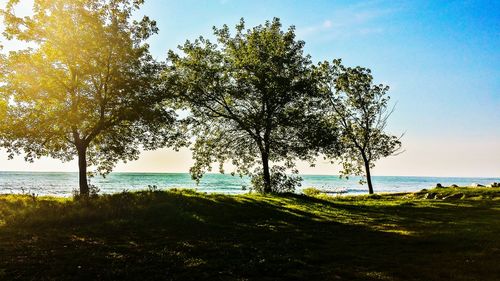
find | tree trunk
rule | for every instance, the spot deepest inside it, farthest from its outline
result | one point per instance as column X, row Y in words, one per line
column 368, row 175
column 267, row 174
column 82, row 170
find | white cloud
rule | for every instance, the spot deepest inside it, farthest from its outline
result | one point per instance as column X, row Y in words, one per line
column 355, row 20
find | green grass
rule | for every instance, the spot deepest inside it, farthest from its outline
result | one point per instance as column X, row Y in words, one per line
column 184, row 235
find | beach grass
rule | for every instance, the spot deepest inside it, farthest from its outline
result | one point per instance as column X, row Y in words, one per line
column 186, row 235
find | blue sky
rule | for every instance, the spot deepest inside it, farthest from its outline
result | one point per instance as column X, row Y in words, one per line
column 441, row 59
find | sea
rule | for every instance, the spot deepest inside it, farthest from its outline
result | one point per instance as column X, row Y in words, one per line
column 64, row 183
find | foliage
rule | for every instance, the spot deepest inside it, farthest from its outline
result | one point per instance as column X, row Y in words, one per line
column 251, row 98
column 280, row 181
column 93, row 193
column 311, row 191
column 359, row 108
column 88, row 85
column 3, row 98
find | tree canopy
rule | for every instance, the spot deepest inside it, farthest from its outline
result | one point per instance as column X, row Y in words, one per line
column 250, row 96
column 359, row 108
column 86, row 85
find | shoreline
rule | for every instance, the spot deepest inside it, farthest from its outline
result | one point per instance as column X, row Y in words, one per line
column 312, row 192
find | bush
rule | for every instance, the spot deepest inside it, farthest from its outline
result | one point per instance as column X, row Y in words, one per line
column 93, row 193
column 280, row 181
column 311, row 191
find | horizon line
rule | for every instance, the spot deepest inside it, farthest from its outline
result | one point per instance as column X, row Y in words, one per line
column 229, row 174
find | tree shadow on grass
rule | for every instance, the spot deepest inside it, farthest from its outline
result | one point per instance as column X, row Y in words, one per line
column 190, row 236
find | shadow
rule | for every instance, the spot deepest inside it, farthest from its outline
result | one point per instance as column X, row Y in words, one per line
column 193, row 236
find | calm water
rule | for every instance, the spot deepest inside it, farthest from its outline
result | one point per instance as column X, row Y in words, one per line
column 62, row 184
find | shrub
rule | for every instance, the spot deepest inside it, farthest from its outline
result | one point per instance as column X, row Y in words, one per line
column 280, row 181
column 311, row 191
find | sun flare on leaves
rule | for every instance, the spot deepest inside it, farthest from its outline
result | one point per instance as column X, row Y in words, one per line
column 87, row 87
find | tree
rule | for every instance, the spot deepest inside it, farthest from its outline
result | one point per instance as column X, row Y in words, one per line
column 359, row 108
column 248, row 96
column 86, row 86
column 3, row 99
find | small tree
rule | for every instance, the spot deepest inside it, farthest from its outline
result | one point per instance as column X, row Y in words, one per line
column 249, row 98
column 359, row 108
column 87, row 86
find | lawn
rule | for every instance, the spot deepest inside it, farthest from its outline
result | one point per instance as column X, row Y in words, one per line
column 185, row 235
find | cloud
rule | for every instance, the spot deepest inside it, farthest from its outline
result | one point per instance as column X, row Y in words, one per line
column 356, row 20
column 327, row 24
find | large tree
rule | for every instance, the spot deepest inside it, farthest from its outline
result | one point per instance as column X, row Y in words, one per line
column 359, row 108
column 85, row 85
column 3, row 99
column 249, row 97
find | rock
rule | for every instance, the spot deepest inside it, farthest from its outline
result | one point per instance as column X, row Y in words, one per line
column 476, row 185
column 438, row 185
column 430, row 195
column 453, row 185
column 454, row 196
column 494, row 184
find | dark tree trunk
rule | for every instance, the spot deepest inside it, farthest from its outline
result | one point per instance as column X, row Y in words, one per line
column 368, row 175
column 82, row 170
column 267, row 174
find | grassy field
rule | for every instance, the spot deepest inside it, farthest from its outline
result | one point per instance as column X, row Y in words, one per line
column 184, row 235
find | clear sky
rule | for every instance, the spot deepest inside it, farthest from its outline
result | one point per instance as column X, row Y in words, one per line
column 441, row 59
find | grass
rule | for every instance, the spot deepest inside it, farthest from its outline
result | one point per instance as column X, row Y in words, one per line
column 184, row 235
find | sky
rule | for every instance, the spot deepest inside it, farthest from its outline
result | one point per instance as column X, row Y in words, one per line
column 440, row 58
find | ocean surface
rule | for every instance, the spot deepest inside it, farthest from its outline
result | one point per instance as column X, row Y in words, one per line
column 63, row 184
